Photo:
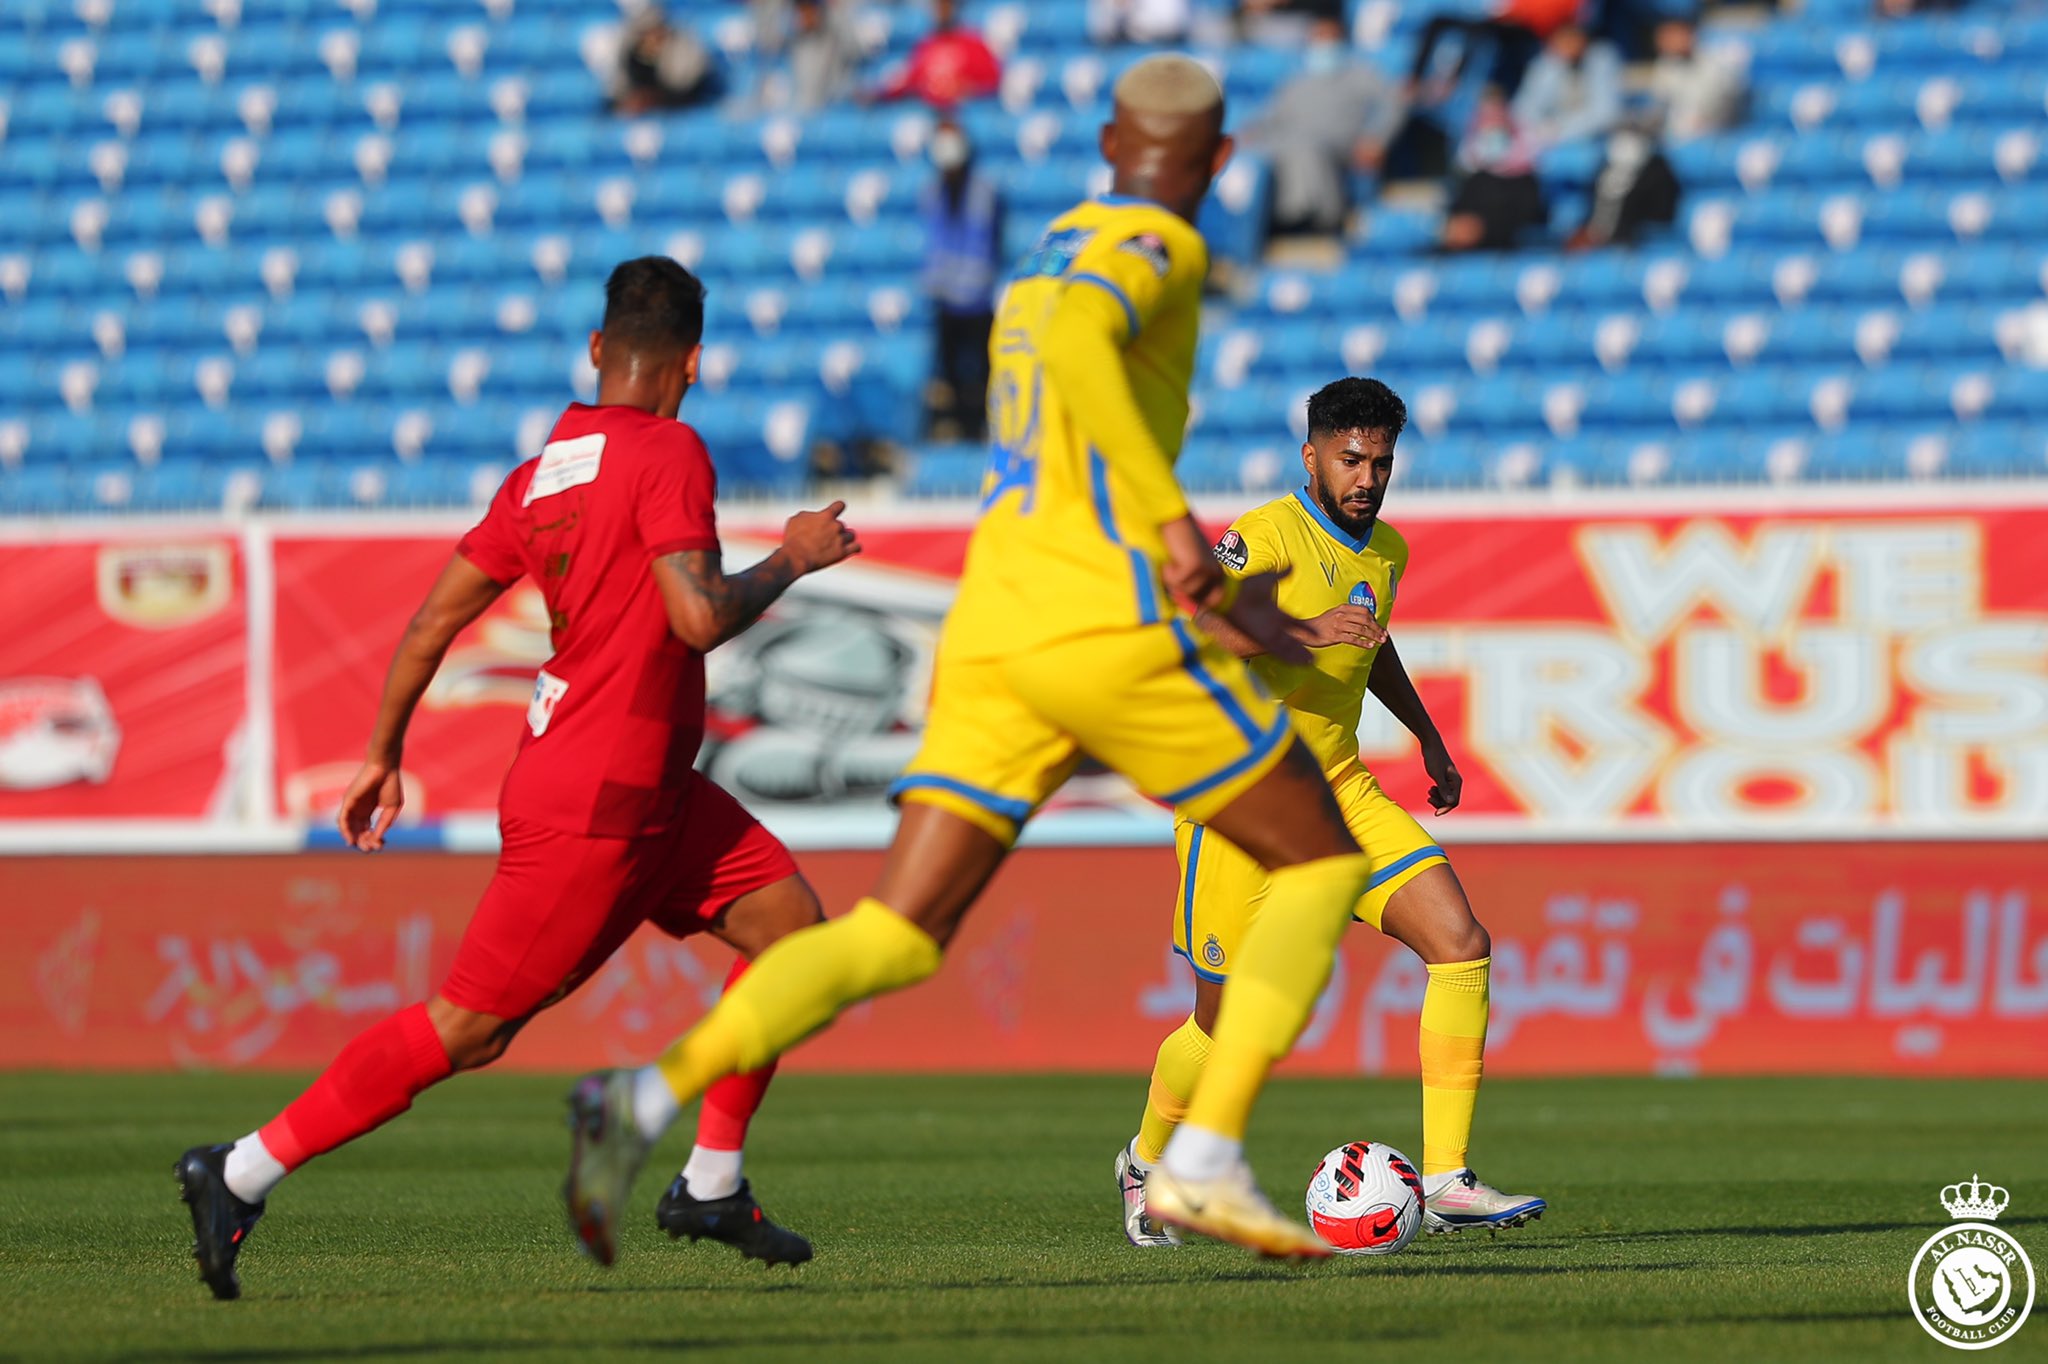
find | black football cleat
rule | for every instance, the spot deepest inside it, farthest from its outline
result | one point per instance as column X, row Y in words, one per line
column 221, row 1222
column 735, row 1219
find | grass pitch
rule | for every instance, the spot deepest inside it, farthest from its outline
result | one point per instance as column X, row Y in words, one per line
column 974, row 1218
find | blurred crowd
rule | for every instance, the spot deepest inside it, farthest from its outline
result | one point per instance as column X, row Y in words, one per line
column 1487, row 112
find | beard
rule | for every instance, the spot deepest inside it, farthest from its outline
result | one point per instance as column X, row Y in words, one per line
column 1352, row 524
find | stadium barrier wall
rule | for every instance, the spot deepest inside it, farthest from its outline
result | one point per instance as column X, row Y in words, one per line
column 1828, row 663
column 1909, row 958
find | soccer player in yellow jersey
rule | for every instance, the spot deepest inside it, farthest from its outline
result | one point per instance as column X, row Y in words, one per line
column 1343, row 567
column 1070, row 636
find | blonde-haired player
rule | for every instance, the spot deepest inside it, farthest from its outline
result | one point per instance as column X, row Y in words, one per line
column 1343, row 566
column 1068, row 638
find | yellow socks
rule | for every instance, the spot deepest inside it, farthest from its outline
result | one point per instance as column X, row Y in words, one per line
column 1181, row 1057
column 795, row 988
column 1453, row 1038
column 1281, row 968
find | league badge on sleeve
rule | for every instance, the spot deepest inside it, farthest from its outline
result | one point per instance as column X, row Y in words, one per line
column 1150, row 248
column 1231, row 552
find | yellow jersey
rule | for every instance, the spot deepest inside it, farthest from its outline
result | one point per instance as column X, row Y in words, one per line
column 1328, row 568
column 1068, row 540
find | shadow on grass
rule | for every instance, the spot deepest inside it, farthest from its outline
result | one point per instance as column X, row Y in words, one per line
column 1816, row 1229
column 463, row 1349
column 1076, row 1337
column 1257, row 1274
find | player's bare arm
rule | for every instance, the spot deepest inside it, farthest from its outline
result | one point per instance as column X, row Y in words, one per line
column 708, row 606
column 1346, row 624
column 373, row 800
column 1391, row 686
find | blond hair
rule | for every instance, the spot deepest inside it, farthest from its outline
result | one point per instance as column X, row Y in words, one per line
column 1169, row 83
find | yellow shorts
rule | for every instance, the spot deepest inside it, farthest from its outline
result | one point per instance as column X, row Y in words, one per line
column 1221, row 887
column 1162, row 704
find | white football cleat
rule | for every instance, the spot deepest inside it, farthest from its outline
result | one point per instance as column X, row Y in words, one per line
column 606, row 1152
column 1230, row 1208
column 1139, row 1227
column 1465, row 1201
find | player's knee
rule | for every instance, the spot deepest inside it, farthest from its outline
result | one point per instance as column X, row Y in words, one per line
column 1473, row 941
column 472, row 1040
column 883, row 950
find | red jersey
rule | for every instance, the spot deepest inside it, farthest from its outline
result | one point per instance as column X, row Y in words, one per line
column 946, row 68
column 618, row 712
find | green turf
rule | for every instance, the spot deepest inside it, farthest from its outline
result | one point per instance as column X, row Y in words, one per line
column 974, row 1218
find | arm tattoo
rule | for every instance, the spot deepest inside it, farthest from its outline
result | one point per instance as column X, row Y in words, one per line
column 736, row 599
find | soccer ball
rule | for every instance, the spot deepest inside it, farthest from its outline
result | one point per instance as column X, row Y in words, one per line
column 1365, row 1199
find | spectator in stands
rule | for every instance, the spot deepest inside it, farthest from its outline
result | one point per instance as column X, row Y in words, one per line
column 1899, row 9
column 1339, row 113
column 949, row 65
column 1516, row 31
column 1283, row 23
column 1570, row 92
column 963, row 227
column 1498, row 197
column 823, row 55
column 1692, row 93
column 1695, row 92
column 1153, row 23
column 662, row 66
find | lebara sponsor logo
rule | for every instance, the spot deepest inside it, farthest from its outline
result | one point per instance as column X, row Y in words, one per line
column 1362, row 595
column 1971, row 1285
column 55, row 731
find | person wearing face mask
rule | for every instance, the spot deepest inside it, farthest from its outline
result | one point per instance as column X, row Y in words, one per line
column 1497, row 197
column 1338, row 114
column 963, row 228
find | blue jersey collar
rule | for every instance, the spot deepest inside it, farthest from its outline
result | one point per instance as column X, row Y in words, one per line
column 1331, row 528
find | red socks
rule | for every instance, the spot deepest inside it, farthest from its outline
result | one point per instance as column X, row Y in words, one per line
column 730, row 1104
column 371, row 1082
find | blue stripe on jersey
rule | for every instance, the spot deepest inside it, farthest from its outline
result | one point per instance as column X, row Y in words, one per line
column 1331, row 528
column 1263, row 749
column 1388, row 873
column 1192, row 661
column 1115, row 291
column 1187, row 891
column 1105, row 516
column 1008, row 808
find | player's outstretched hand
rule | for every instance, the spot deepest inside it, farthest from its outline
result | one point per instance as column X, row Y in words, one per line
column 818, row 539
column 1449, row 786
column 1257, row 613
column 370, row 806
column 1346, row 624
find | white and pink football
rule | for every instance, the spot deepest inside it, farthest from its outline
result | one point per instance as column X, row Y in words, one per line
column 1365, row 1199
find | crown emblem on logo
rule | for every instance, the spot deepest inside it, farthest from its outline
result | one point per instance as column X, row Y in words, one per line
column 1975, row 1201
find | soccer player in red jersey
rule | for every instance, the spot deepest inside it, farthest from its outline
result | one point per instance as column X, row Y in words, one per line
column 606, row 824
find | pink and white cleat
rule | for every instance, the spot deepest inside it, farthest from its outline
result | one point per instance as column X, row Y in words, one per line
column 1460, row 1199
column 1139, row 1228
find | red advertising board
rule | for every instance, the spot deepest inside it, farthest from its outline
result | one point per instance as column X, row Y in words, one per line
column 123, row 677
column 1681, row 671
column 1907, row 958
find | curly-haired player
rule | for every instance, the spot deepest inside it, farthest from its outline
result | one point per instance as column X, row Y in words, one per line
column 1343, row 565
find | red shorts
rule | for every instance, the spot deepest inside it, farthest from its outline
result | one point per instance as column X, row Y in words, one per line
column 560, row 904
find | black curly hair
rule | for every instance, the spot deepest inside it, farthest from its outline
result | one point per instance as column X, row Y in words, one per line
column 1356, row 405
column 653, row 303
